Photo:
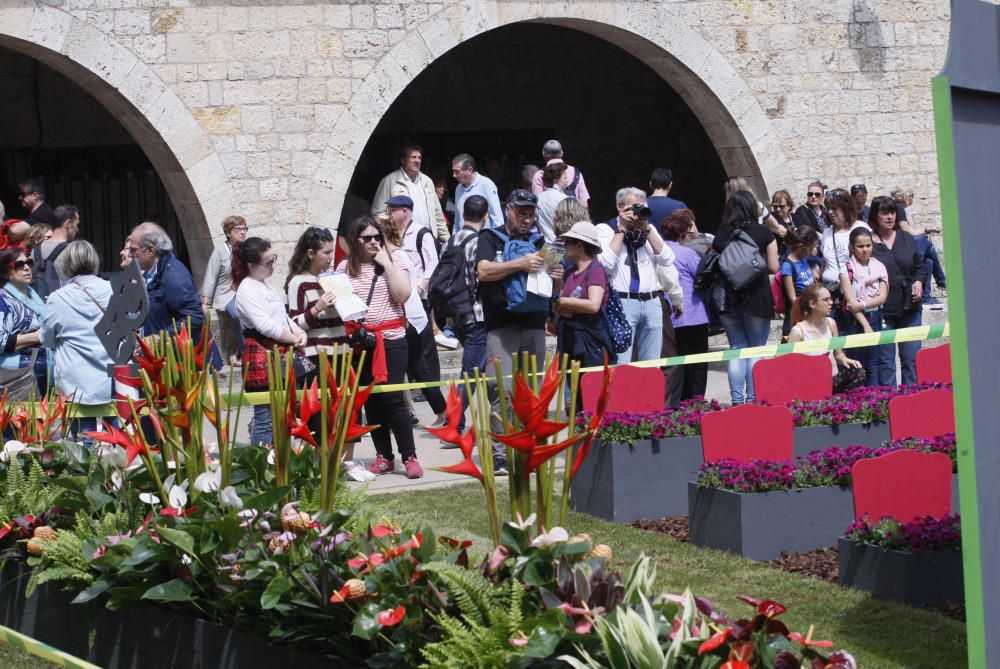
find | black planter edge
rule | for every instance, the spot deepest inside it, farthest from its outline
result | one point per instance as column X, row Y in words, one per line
column 894, row 575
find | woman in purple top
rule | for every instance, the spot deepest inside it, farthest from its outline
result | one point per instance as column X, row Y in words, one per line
column 582, row 328
column 690, row 328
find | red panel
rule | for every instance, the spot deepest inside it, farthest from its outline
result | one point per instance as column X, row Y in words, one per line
column 747, row 432
column 928, row 413
column 639, row 389
column 902, row 485
column 934, row 364
column 792, row 376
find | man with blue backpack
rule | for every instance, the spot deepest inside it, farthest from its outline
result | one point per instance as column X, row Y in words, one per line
column 514, row 316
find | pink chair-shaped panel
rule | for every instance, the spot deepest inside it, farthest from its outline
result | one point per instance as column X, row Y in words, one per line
column 902, row 485
column 929, row 413
column 793, row 376
column 638, row 389
column 934, row 364
column 747, row 432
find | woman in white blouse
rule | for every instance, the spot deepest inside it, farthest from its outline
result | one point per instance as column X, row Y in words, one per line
column 261, row 312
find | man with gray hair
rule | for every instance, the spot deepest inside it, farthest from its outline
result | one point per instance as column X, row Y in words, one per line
column 173, row 298
column 577, row 186
column 635, row 257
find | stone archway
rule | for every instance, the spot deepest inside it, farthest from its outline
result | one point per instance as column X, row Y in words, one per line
column 738, row 127
column 177, row 146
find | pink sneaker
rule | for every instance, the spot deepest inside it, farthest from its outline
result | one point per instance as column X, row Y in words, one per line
column 381, row 466
column 413, row 468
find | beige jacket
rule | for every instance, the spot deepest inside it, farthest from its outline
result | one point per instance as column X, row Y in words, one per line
column 394, row 184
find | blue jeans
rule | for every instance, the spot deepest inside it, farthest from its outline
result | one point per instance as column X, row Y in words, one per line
column 868, row 356
column 907, row 351
column 646, row 319
column 743, row 330
column 473, row 338
column 261, row 431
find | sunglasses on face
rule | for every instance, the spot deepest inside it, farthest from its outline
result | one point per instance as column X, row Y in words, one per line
column 368, row 239
column 21, row 264
column 775, row 205
column 814, row 194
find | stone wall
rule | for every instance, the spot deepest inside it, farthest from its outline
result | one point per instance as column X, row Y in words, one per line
column 265, row 109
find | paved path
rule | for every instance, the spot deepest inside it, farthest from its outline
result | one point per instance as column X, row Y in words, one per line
column 429, row 450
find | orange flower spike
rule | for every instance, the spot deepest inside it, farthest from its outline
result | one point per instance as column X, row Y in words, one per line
column 542, row 453
column 453, row 410
column 466, row 467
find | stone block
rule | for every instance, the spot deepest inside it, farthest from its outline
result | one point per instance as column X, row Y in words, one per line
column 17, row 21
column 106, row 59
column 278, row 91
column 208, row 177
column 258, row 164
column 150, row 48
column 389, row 16
column 290, row 67
column 261, row 45
column 281, row 163
column 241, row 92
column 131, row 21
column 233, row 19
column 337, row 16
column 186, row 48
column 304, row 163
column 365, row 43
column 220, row 47
column 141, row 87
column 305, row 17
column 246, row 142
column 235, row 164
column 219, row 120
column 311, row 90
column 201, row 19
column 294, row 118
column 273, row 189
column 193, row 93
column 257, row 118
column 362, row 17
column 213, row 71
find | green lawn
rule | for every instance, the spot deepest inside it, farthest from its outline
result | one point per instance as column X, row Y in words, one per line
column 879, row 634
column 15, row 658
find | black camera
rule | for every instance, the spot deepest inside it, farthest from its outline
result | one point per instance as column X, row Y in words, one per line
column 362, row 338
column 641, row 210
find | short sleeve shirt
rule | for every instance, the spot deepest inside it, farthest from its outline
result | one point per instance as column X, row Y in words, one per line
column 494, row 293
column 594, row 275
column 800, row 271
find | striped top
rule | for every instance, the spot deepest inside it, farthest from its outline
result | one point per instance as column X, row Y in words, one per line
column 382, row 307
column 322, row 330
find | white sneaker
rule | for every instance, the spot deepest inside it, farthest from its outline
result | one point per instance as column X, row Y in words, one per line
column 355, row 470
column 445, row 341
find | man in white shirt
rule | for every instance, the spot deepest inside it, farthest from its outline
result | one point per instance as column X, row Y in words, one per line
column 410, row 181
column 632, row 253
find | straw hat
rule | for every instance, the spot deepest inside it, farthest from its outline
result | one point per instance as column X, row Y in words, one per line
column 583, row 231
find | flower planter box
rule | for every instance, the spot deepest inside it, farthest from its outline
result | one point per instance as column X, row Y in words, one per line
column 761, row 525
column 919, row 579
column 818, row 437
column 141, row 635
column 648, row 480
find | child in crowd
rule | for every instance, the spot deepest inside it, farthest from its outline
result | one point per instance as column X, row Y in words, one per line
column 812, row 315
column 796, row 270
column 865, row 283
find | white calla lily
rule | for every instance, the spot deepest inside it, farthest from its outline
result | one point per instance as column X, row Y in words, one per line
column 148, row 498
column 209, row 481
column 178, row 497
column 554, row 536
column 229, row 498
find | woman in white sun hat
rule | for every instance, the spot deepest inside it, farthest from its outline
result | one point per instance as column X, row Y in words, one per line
column 581, row 325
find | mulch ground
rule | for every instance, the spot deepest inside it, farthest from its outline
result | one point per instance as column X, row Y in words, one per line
column 822, row 563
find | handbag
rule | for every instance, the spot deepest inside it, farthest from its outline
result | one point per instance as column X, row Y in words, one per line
column 21, row 383
column 618, row 325
column 741, row 262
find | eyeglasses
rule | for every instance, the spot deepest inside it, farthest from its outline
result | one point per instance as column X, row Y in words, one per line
column 776, row 205
column 131, row 251
column 270, row 263
column 368, row 239
column 21, row 264
column 814, row 194
column 241, row 228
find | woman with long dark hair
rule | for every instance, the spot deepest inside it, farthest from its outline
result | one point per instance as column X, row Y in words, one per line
column 812, row 313
column 21, row 312
column 381, row 280
column 261, row 312
column 746, row 315
column 836, row 247
column 311, row 307
column 897, row 250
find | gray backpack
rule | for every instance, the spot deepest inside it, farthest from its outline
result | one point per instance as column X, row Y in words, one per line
column 741, row 262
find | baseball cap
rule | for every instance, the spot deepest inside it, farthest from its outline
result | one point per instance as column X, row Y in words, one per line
column 858, row 188
column 520, row 197
column 400, row 201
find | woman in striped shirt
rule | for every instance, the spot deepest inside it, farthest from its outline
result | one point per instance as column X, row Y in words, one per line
column 383, row 283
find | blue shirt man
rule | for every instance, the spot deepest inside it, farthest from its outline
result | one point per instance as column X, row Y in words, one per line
column 470, row 182
column 660, row 203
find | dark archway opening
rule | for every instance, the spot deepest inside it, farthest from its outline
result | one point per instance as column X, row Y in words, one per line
column 52, row 128
column 500, row 95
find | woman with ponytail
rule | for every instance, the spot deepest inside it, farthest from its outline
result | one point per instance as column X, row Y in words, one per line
column 261, row 312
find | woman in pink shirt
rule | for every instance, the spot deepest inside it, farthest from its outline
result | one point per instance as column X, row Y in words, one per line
column 865, row 284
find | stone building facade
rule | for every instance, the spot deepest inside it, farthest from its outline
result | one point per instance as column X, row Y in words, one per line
column 264, row 107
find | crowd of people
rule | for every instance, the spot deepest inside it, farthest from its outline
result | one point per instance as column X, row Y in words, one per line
column 495, row 273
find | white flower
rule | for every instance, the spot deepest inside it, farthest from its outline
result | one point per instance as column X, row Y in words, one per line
column 554, row 536
column 11, row 449
column 209, row 481
column 522, row 523
column 270, row 456
column 111, row 455
column 178, row 497
column 229, row 498
column 186, row 559
column 148, row 498
column 247, row 516
column 116, row 479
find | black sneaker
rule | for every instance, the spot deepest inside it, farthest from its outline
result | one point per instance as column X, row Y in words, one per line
column 418, row 397
column 414, row 420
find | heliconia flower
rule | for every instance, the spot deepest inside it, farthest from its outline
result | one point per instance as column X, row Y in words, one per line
column 391, row 617
column 309, row 406
column 133, row 444
column 449, row 433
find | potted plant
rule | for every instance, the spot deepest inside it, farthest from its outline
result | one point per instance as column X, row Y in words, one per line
column 917, row 562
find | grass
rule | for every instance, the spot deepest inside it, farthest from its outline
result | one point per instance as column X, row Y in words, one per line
column 15, row 658
column 881, row 635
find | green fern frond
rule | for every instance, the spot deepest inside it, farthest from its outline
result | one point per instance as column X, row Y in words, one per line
column 472, row 592
column 62, row 560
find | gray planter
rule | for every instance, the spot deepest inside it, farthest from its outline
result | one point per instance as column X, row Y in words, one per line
column 760, row 525
column 818, row 437
column 648, row 480
column 920, row 579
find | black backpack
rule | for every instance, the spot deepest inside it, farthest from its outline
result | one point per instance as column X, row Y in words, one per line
column 420, row 246
column 448, row 292
column 46, row 278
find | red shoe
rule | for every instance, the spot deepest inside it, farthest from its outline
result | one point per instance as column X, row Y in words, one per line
column 413, row 468
column 382, row 466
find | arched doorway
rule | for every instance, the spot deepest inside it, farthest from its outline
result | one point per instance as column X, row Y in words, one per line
column 741, row 134
column 616, row 119
column 105, row 132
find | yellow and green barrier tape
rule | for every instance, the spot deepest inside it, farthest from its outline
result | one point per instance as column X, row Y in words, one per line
column 916, row 333
column 44, row 651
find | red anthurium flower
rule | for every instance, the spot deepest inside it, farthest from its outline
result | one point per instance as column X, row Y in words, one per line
column 749, row 600
column 770, row 608
column 715, row 641
column 454, row 543
column 383, row 531
column 177, row 513
column 372, row 561
column 736, row 664
column 520, row 640
column 391, row 617
column 6, row 528
column 340, row 596
column 133, row 445
column 742, row 652
column 807, row 640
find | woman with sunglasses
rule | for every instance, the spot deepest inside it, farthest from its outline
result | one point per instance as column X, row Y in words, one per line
column 380, row 279
column 21, row 311
column 261, row 312
column 782, row 207
column 812, row 213
column 217, row 291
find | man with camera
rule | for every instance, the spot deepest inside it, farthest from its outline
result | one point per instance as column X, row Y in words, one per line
column 514, row 317
column 632, row 252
